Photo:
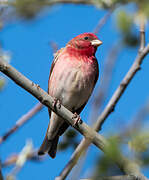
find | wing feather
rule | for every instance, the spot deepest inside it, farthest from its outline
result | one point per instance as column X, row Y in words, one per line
column 56, row 55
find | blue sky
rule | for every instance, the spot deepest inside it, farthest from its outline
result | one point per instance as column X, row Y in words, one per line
column 28, row 43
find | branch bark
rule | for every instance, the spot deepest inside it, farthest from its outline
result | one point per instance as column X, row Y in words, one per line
column 124, row 177
column 1, row 176
column 53, row 2
column 126, row 165
column 142, row 33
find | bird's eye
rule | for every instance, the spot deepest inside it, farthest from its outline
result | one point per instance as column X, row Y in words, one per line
column 86, row 38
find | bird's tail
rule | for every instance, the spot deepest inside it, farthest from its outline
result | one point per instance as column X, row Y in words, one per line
column 49, row 146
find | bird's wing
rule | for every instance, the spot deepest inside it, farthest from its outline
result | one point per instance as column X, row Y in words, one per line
column 56, row 55
column 97, row 72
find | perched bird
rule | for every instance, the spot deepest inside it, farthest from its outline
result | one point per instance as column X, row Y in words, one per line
column 73, row 75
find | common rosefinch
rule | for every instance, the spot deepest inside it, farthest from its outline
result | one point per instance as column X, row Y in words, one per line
column 73, row 75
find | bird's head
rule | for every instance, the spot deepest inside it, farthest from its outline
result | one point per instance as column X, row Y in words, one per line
column 85, row 44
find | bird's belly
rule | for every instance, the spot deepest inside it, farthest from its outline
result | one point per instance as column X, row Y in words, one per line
column 73, row 88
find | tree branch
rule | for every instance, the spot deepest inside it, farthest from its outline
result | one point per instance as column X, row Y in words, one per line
column 119, row 91
column 124, row 177
column 52, row 2
column 106, row 78
column 1, row 176
column 142, row 33
column 47, row 100
column 21, row 122
column 126, row 165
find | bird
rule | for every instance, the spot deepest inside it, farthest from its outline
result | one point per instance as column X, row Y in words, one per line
column 73, row 75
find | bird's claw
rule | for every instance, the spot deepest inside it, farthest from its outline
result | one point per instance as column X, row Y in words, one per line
column 76, row 119
column 56, row 102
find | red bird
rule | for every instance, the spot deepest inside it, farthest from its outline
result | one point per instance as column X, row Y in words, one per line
column 73, row 75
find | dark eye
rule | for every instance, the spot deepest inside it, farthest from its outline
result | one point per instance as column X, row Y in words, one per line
column 86, row 38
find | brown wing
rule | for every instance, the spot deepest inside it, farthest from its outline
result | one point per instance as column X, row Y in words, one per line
column 52, row 67
column 97, row 72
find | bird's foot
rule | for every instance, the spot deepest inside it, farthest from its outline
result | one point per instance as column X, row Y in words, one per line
column 56, row 102
column 76, row 119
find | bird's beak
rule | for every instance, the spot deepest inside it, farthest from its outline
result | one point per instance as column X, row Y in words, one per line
column 96, row 42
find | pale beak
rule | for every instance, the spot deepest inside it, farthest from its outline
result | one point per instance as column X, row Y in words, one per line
column 96, row 42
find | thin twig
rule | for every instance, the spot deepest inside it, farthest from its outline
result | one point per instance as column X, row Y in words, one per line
column 52, row 2
column 54, row 46
column 124, row 83
column 1, row 176
column 32, row 156
column 105, row 79
column 137, row 121
column 120, row 90
column 123, row 163
column 80, row 149
column 21, row 159
column 21, row 121
column 142, row 33
column 102, row 21
column 124, row 177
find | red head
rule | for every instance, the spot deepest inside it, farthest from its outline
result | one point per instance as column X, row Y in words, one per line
column 85, row 44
